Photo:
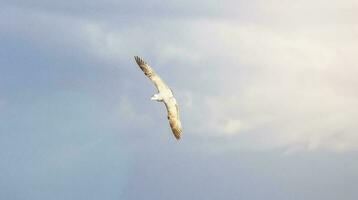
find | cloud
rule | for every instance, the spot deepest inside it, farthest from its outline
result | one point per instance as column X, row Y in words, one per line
column 290, row 85
column 278, row 75
column 255, row 81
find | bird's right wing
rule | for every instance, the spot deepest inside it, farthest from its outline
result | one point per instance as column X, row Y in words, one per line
column 150, row 73
column 173, row 117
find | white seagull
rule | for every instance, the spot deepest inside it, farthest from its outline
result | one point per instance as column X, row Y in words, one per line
column 165, row 95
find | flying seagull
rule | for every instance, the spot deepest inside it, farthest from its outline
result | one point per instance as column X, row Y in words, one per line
column 164, row 95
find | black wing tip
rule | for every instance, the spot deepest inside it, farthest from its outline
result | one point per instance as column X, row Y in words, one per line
column 139, row 60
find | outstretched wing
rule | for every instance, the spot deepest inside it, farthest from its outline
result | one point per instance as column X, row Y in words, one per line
column 150, row 73
column 170, row 103
column 173, row 117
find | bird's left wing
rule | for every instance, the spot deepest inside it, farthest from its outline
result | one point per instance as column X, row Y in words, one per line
column 150, row 73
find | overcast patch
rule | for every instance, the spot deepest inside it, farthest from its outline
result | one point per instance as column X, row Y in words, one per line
column 289, row 77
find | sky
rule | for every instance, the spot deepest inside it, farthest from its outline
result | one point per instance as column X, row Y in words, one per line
column 267, row 91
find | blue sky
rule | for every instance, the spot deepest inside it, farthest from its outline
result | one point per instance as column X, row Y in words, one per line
column 267, row 91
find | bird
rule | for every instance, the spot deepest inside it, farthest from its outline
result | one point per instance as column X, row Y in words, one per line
column 165, row 95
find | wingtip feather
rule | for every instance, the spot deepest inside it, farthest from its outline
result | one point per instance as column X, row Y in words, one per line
column 177, row 134
column 139, row 60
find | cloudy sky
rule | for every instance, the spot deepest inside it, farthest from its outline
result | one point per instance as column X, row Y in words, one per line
column 267, row 89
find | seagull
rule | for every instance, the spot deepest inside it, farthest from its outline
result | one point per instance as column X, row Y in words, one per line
column 165, row 95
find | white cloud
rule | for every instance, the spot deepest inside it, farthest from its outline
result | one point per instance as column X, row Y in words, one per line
column 295, row 86
column 281, row 76
column 298, row 89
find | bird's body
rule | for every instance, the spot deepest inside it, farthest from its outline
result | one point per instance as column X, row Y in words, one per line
column 164, row 95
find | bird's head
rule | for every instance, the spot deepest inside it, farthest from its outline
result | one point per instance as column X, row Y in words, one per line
column 156, row 97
